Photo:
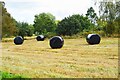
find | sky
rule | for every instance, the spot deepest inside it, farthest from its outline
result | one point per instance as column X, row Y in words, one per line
column 25, row 10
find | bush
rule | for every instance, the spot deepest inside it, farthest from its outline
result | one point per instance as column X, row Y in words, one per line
column 101, row 33
column 72, row 25
column 85, row 33
column 50, row 34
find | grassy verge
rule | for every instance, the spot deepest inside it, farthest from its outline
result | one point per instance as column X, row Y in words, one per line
column 6, row 75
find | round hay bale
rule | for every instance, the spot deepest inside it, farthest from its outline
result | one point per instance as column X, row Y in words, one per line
column 93, row 39
column 18, row 40
column 40, row 38
column 56, row 42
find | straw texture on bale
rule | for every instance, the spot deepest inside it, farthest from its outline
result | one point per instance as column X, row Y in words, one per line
column 56, row 42
column 18, row 40
column 93, row 39
column 40, row 38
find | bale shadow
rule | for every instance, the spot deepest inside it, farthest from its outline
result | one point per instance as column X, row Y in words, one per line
column 82, row 45
column 54, row 48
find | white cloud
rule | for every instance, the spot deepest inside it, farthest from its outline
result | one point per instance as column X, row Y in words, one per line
column 25, row 10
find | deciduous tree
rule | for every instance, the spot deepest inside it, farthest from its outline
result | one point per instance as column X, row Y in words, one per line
column 44, row 23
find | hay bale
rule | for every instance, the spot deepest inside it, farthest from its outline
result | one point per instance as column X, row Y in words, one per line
column 93, row 39
column 40, row 38
column 18, row 40
column 56, row 42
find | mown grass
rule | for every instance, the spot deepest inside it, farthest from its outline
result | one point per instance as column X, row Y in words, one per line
column 76, row 59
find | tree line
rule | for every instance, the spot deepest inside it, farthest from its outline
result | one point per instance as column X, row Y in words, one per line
column 106, row 24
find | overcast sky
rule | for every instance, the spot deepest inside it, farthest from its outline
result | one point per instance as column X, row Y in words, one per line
column 24, row 10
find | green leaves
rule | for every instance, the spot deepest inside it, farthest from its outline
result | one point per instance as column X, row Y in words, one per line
column 92, row 16
column 44, row 23
column 8, row 26
column 110, row 13
column 6, row 75
column 72, row 25
column 24, row 29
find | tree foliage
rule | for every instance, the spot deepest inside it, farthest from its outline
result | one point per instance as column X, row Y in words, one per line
column 110, row 13
column 72, row 25
column 44, row 23
column 92, row 15
column 8, row 24
column 24, row 29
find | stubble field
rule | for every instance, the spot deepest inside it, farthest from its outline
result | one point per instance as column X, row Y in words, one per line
column 76, row 59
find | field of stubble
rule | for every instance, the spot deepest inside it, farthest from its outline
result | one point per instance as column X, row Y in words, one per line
column 76, row 59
